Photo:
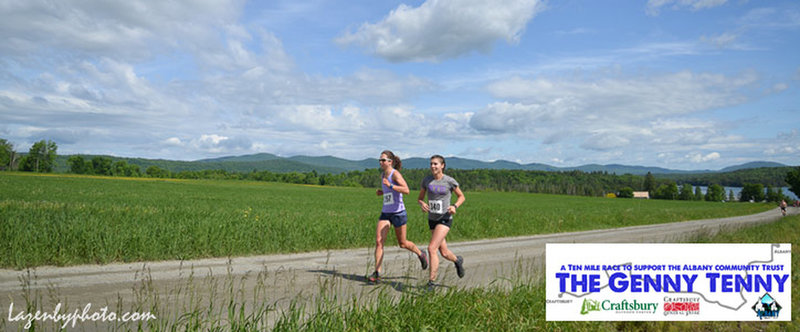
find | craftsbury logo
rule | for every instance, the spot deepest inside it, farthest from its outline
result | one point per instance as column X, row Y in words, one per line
column 767, row 307
column 624, row 306
column 589, row 305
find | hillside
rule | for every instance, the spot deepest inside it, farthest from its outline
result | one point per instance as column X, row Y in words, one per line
column 754, row 164
column 230, row 164
column 335, row 165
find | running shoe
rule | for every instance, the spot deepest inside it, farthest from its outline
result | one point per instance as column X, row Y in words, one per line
column 374, row 277
column 460, row 266
column 423, row 259
column 431, row 285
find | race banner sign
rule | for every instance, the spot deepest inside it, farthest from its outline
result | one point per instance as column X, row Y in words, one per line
column 668, row 282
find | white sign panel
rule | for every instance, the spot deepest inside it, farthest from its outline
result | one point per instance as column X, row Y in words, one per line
column 668, row 282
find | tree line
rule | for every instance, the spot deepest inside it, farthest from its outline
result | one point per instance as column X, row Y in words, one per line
column 41, row 158
column 767, row 176
column 562, row 183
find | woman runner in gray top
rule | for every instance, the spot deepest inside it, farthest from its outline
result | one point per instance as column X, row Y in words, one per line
column 439, row 186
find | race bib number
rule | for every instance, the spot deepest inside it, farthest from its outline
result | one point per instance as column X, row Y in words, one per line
column 436, row 207
column 388, row 199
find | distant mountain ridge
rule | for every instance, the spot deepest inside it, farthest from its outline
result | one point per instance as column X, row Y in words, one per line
column 331, row 164
column 754, row 164
column 324, row 164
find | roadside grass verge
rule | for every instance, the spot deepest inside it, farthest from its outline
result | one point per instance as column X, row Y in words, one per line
column 69, row 220
column 522, row 308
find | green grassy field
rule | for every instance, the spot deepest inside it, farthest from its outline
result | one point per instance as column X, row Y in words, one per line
column 67, row 220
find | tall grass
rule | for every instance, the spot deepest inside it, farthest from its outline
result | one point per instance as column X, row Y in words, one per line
column 68, row 220
column 207, row 303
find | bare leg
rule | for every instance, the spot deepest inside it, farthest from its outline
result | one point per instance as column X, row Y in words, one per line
column 437, row 240
column 446, row 253
column 380, row 238
column 400, row 232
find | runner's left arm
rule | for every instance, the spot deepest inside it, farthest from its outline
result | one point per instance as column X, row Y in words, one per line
column 459, row 201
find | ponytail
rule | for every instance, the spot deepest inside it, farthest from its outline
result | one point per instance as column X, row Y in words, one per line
column 396, row 162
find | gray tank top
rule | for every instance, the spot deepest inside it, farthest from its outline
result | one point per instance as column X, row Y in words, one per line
column 439, row 194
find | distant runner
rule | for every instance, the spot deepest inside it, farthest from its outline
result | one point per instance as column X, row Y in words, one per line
column 783, row 207
column 438, row 186
column 393, row 213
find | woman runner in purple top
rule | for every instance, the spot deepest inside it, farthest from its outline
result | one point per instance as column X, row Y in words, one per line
column 393, row 213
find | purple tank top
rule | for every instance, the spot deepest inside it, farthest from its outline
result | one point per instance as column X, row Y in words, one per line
column 392, row 200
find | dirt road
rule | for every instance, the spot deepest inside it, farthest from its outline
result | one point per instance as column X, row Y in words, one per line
column 277, row 279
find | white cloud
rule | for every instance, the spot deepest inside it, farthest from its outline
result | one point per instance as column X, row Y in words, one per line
column 779, row 87
column 771, row 18
column 700, row 158
column 654, row 6
column 682, row 132
column 122, row 30
column 575, row 31
column 214, row 143
column 505, row 117
column 438, row 30
column 605, row 141
column 213, row 139
column 173, row 141
column 724, row 40
column 630, row 98
column 785, row 145
column 612, row 114
column 243, row 86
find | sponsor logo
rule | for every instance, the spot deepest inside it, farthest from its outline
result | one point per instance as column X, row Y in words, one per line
column 559, row 301
column 681, row 306
column 766, row 307
column 589, row 305
column 623, row 306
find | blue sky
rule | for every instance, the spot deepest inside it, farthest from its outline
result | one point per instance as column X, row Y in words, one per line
column 682, row 84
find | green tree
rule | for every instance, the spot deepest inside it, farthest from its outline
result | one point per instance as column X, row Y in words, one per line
column 686, row 192
column 772, row 195
column 626, row 192
column 731, row 196
column 715, row 193
column 698, row 194
column 7, row 154
column 133, row 170
column 781, row 196
column 667, row 191
column 156, row 172
column 649, row 183
column 294, row 177
column 41, row 157
column 793, row 179
column 77, row 165
column 101, row 165
column 752, row 192
column 121, row 168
